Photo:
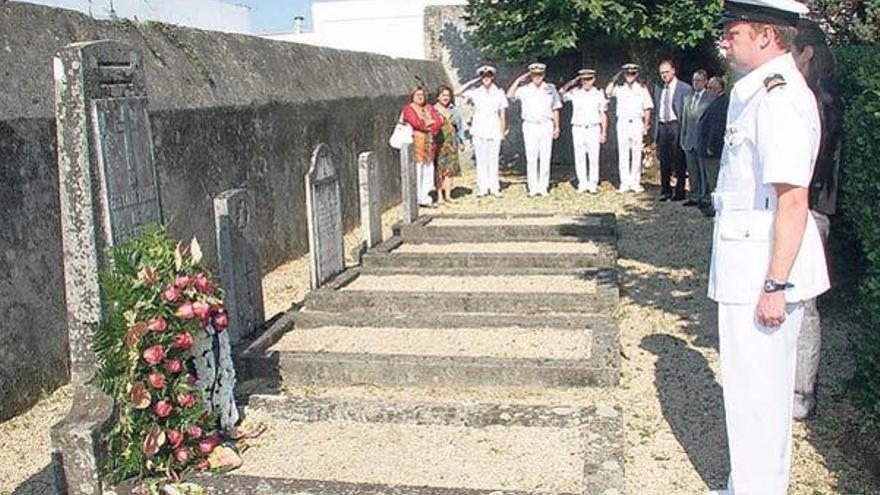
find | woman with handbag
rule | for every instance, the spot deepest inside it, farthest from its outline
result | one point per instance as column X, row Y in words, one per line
column 450, row 138
column 426, row 123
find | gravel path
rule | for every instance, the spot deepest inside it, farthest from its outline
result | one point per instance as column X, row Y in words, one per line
column 669, row 389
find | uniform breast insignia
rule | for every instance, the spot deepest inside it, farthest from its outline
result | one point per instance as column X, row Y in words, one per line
column 774, row 81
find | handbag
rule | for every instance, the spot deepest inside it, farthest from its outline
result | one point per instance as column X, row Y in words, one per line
column 402, row 134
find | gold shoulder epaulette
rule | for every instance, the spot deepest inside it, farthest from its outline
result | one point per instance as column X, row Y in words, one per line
column 774, row 81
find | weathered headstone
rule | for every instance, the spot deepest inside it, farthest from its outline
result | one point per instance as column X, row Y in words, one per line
column 370, row 182
column 109, row 191
column 408, row 184
column 324, row 217
column 239, row 262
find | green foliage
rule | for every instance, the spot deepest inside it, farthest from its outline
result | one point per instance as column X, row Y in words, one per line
column 158, row 301
column 518, row 30
column 848, row 21
column 859, row 82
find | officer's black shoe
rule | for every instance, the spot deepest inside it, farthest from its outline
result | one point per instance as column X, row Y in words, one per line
column 690, row 202
column 665, row 197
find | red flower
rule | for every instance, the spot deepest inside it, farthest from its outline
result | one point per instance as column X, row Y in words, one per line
column 202, row 465
column 153, row 441
column 183, row 341
column 181, row 455
column 221, row 320
column 195, row 431
column 182, row 281
column 175, row 438
column 140, row 396
column 186, row 400
column 202, row 283
column 208, row 444
column 162, row 409
column 156, row 380
column 202, row 310
column 171, row 293
column 185, row 311
column 158, row 324
column 154, row 354
column 173, row 366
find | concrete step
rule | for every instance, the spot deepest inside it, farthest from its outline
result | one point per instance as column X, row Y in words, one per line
column 524, row 257
column 507, row 227
column 335, row 447
column 313, row 319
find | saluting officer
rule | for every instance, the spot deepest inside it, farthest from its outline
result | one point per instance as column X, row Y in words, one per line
column 589, row 126
column 767, row 255
column 540, row 115
column 634, row 106
column 488, row 127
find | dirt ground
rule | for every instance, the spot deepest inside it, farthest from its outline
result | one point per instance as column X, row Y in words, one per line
column 669, row 389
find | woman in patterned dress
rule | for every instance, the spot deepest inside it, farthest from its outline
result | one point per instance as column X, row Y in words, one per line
column 450, row 137
column 425, row 122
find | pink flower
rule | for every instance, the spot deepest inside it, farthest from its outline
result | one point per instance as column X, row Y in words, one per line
column 202, row 465
column 153, row 441
column 208, row 444
column 185, row 311
column 186, row 400
column 181, row 455
column 154, row 354
column 173, row 366
column 140, row 396
column 182, row 281
column 182, row 341
column 175, row 438
column 171, row 293
column 156, row 380
column 202, row 310
column 157, row 324
column 221, row 320
column 162, row 409
column 195, row 431
column 202, row 283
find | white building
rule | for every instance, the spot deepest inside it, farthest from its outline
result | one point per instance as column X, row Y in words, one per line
column 388, row 27
column 213, row 15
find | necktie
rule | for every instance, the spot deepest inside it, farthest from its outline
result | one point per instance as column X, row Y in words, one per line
column 667, row 104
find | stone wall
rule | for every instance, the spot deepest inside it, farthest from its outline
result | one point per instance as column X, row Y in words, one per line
column 226, row 111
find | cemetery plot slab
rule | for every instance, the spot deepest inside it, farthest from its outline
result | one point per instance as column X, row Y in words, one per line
column 396, row 255
column 500, row 227
column 368, row 447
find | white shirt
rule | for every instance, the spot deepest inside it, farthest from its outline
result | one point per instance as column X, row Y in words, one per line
column 632, row 101
column 668, row 91
column 538, row 102
column 772, row 137
column 487, row 103
column 588, row 106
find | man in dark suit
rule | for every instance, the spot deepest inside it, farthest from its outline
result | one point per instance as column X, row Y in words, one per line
column 694, row 107
column 710, row 141
column 669, row 109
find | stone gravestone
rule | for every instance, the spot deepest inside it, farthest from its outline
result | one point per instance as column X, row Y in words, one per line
column 239, row 263
column 408, row 184
column 370, row 182
column 324, row 217
column 108, row 192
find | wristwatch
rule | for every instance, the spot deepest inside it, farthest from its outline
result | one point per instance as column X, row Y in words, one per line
column 771, row 286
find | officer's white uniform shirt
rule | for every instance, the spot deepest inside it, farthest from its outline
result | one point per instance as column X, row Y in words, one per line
column 772, row 137
column 538, row 102
column 632, row 101
column 486, row 122
column 587, row 106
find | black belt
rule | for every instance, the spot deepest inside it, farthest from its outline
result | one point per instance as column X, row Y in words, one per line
column 669, row 123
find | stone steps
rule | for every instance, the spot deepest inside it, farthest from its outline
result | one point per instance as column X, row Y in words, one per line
column 510, row 228
column 335, row 447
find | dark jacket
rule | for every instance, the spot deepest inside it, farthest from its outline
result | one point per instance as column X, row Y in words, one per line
column 710, row 141
column 682, row 89
column 826, row 178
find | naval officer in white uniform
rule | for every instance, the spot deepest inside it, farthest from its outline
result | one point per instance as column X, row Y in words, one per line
column 540, row 123
column 488, row 127
column 767, row 255
column 589, row 125
column 634, row 104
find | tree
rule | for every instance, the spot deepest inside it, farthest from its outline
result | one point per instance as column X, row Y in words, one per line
column 517, row 30
column 848, row 21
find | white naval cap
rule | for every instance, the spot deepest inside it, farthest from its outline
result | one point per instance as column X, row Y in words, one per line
column 537, row 68
column 784, row 12
column 485, row 69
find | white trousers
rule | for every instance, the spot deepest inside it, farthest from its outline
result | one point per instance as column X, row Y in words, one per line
column 586, row 145
column 629, row 152
column 486, row 152
column 757, row 376
column 538, row 139
column 425, row 178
